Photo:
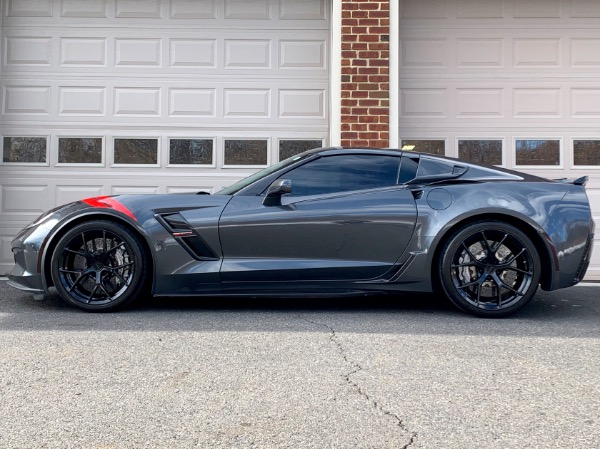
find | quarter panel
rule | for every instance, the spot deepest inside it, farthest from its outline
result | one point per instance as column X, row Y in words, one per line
column 531, row 203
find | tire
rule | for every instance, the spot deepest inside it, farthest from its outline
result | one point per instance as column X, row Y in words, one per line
column 99, row 266
column 490, row 269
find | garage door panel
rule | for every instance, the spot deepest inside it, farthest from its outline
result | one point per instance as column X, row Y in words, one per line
column 505, row 71
column 145, row 96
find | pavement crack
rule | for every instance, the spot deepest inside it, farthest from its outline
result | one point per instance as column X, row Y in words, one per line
column 333, row 338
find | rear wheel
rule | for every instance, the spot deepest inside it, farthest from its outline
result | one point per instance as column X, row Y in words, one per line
column 490, row 269
column 99, row 266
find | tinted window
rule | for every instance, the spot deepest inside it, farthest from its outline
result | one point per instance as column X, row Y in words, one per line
column 428, row 167
column 408, row 169
column 342, row 173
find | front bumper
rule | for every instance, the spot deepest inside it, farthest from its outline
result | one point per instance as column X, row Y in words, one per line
column 25, row 274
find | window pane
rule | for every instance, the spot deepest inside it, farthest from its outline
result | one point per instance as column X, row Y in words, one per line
column 487, row 152
column 341, row 173
column 537, row 152
column 437, row 147
column 245, row 152
column 191, row 151
column 80, row 150
column 289, row 148
column 24, row 149
column 136, row 151
column 586, row 152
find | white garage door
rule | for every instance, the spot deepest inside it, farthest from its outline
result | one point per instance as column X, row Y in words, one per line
column 513, row 83
column 105, row 97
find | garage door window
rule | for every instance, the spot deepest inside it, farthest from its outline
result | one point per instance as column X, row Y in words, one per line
column 191, row 151
column 487, row 152
column 435, row 146
column 30, row 150
column 586, row 152
column 289, row 148
column 80, row 150
column 136, row 151
column 246, row 152
column 537, row 152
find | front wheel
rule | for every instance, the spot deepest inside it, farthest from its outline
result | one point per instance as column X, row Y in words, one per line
column 99, row 266
column 490, row 269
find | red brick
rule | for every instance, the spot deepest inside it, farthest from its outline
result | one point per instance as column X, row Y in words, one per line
column 378, row 62
column 378, row 94
column 367, row 54
column 360, row 78
column 369, row 6
column 378, row 127
column 360, row 14
column 368, row 102
column 359, row 111
column 364, row 86
column 359, row 29
column 376, row 79
column 379, row 30
column 367, row 38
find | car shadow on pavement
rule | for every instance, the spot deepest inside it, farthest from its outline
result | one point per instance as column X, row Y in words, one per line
column 570, row 312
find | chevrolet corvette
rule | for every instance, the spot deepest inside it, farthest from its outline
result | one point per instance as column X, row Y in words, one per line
column 327, row 222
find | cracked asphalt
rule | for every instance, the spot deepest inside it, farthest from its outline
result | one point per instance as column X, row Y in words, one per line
column 383, row 372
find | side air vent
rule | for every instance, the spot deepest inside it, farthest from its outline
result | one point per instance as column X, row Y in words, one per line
column 186, row 236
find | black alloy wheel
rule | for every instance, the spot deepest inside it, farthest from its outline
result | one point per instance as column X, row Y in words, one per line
column 99, row 266
column 490, row 269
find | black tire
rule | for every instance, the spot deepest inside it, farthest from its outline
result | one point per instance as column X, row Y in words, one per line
column 99, row 266
column 489, row 269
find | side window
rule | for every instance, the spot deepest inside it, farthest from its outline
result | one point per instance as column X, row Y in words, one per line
column 428, row 167
column 408, row 169
column 331, row 174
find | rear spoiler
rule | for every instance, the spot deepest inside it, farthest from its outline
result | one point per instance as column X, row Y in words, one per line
column 578, row 182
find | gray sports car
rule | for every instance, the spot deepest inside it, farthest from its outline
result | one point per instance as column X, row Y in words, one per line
column 330, row 221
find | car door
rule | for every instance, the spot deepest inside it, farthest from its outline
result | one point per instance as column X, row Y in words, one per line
column 345, row 219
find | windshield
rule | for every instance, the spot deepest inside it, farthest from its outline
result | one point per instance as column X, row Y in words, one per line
column 233, row 189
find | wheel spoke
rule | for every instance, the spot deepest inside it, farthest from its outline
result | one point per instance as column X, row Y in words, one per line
column 79, row 253
column 468, row 284
column 117, row 274
column 85, row 247
column 78, row 280
column 468, row 251
column 478, row 294
column 500, row 282
column 117, row 246
column 500, row 243
column 499, row 292
column 519, row 270
column 92, row 294
column 122, row 266
column 104, row 289
column 515, row 257
column 467, row 264
column 487, row 244
column 64, row 270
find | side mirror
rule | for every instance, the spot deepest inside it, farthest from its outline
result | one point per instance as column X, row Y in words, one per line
column 276, row 190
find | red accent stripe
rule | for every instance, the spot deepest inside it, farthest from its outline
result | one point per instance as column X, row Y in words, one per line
column 109, row 202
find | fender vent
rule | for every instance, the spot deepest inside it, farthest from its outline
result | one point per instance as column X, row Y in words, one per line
column 186, row 236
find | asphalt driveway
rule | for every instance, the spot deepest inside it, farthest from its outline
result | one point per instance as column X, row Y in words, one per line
column 363, row 373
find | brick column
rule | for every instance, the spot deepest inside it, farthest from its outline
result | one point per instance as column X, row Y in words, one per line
column 365, row 73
